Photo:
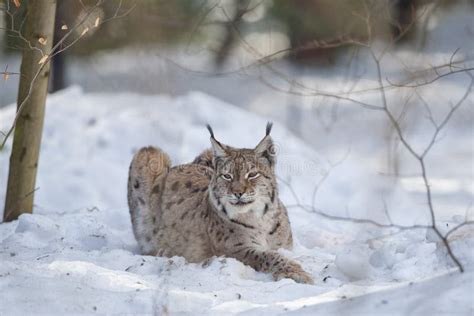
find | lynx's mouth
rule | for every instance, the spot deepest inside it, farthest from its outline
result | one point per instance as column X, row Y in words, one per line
column 240, row 202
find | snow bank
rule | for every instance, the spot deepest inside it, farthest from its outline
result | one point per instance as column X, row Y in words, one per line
column 77, row 254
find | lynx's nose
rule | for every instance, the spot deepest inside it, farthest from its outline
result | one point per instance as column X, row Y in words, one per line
column 238, row 189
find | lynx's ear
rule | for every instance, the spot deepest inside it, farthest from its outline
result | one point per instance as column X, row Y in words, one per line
column 266, row 147
column 217, row 148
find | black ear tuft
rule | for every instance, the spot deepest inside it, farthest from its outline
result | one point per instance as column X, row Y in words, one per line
column 269, row 128
column 209, row 128
column 218, row 149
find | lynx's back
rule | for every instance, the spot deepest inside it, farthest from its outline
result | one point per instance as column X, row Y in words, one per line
column 169, row 206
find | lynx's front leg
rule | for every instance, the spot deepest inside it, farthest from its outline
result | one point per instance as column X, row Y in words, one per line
column 273, row 262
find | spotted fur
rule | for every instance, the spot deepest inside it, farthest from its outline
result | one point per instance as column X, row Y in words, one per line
column 225, row 203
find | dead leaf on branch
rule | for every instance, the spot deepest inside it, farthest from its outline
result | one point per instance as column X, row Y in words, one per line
column 64, row 27
column 42, row 40
column 6, row 74
column 97, row 21
column 17, row 3
column 85, row 31
column 43, row 59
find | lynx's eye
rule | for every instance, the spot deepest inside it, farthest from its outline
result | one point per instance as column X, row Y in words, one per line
column 252, row 175
column 226, row 176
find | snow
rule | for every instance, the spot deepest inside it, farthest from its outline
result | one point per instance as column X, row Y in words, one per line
column 77, row 253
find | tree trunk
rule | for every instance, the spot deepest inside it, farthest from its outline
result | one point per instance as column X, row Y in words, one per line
column 224, row 50
column 29, row 127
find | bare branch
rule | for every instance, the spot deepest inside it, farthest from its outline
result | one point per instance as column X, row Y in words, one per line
column 420, row 157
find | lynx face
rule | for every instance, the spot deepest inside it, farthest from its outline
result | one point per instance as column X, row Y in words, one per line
column 244, row 179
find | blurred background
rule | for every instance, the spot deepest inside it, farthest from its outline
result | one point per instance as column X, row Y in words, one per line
column 157, row 46
column 308, row 64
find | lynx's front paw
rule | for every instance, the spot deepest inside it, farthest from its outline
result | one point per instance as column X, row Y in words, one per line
column 294, row 272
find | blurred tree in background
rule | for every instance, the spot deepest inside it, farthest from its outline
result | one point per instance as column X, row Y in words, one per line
column 167, row 23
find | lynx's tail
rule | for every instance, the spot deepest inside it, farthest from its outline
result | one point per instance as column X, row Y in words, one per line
column 147, row 175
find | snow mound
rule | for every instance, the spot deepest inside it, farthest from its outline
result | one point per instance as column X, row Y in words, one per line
column 77, row 253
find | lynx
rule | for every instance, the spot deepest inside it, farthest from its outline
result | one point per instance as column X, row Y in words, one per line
column 224, row 203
